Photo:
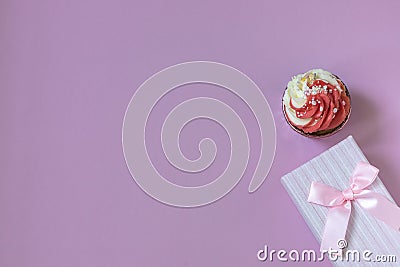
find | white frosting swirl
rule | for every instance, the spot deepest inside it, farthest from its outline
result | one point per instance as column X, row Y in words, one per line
column 297, row 90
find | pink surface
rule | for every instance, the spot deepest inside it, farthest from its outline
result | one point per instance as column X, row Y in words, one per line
column 67, row 72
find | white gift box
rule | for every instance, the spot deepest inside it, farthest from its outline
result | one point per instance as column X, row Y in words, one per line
column 365, row 233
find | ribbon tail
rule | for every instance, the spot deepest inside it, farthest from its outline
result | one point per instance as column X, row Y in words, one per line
column 336, row 226
column 380, row 207
column 325, row 195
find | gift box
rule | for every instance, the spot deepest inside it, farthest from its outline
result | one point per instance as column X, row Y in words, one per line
column 365, row 233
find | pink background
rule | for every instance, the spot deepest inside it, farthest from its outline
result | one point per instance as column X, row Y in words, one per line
column 68, row 70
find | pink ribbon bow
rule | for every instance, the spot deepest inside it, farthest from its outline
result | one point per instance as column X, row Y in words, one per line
column 340, row 204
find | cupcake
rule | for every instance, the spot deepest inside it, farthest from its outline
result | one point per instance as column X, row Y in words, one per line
column 316, row 103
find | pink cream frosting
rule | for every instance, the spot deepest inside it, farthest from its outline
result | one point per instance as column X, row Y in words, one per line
column 325, row 107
